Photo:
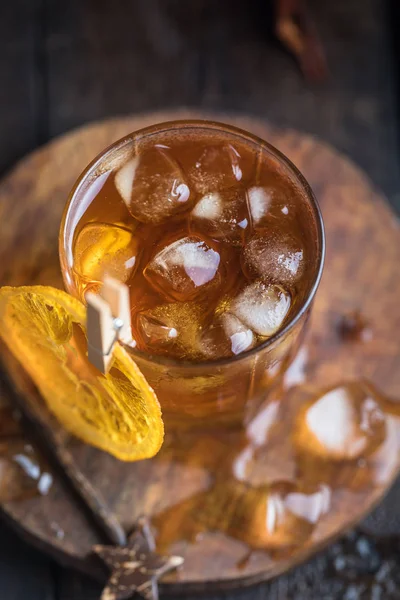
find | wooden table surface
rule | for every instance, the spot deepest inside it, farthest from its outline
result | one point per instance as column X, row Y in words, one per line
column 63, row 64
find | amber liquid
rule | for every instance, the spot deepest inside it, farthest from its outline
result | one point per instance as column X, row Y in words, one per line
column 308, row 465
column 217, row 242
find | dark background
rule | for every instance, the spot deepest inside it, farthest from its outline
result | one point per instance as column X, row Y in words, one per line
column 65, row 63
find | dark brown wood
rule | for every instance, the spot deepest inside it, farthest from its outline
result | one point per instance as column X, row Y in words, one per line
column 362, row 273
column 16, row 559
column 22, row 88
column 225, row 58
column 219, row 55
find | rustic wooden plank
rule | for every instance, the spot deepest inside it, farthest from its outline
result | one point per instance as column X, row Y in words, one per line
column 123, row 57
column 354, row 111
column 24, row 572
column 73, row 586
column 108, row 59
column 22, row 85
column 22, row 569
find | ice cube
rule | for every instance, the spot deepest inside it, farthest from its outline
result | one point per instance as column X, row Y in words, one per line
column 344, row 423
column 226, row 336
column 274, row 256
column 241, row 337
column 102, row 249
column 222, row 215
column 274, row 517
column 184, row 268
column 171, row 329
column 259, row 203
column 293, row 513
column 153, row 186
column 210, row 207
column 155, row 330
column 262, row 307
column 217, row 167
column 267, row 203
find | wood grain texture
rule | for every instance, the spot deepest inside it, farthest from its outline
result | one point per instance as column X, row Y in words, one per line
column 222, row 56
column 362, row 272
column 37, row 570
column 226, row 58
column 22, row 91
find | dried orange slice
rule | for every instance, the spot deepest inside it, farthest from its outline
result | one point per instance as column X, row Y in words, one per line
column 45, row 330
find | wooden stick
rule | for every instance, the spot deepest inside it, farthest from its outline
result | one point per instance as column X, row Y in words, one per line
column 100, row 332
column 116, row 294
column 108, row 321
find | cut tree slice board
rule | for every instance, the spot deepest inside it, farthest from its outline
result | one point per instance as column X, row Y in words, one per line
column 362, row 272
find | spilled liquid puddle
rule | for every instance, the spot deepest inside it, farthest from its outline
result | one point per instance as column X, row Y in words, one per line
column 345, row 423
column 24, row 473
column 307, row 465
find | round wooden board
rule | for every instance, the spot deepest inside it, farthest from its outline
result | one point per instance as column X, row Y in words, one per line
column 361, row 273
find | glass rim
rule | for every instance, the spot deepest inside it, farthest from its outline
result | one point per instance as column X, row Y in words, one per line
column 207, row 125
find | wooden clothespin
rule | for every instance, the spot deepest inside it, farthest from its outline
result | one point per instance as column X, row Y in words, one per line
column 108, row 321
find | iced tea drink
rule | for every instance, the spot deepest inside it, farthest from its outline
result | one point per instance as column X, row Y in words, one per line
column 220, row 240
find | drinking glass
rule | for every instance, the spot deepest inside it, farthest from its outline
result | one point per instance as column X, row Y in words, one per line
column 224, row 393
